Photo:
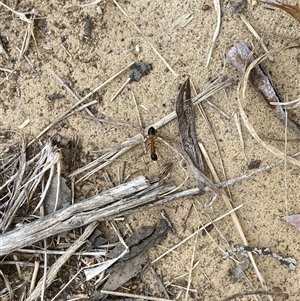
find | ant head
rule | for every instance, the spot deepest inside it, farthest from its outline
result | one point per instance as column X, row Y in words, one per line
column 154, row 157
column 151, row 131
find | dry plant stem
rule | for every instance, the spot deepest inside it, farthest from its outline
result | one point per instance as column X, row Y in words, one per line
column 268, row 293
column 115, row 201
column 52, row 273
column 191, row 269
column 72, row 93
column 65, row 114
column 207, row 92
column 133, row 296
column 29, row 32
column 8, row 286
column 217, row 30
column 139, row 31
column 256, row 35
column 159, row 282
column 239, row 55
column 58, row 252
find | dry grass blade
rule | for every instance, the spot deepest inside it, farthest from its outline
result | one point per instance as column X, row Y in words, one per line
column 195, row 233
column 233, row 216
column 68, row 112
column 141, row 297
column 9, row 289
column 29, row 32
column 263, row 293
column 256, row 35
column 217, row 30
column 27, row 176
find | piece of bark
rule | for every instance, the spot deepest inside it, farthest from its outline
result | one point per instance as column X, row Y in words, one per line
column 240, row 57
column 128, row 266
column 134, row 239
column 140, row 241
column 127, row 271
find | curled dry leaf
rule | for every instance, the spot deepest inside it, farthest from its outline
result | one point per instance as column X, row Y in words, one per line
column 293, row 10
column 190, row 146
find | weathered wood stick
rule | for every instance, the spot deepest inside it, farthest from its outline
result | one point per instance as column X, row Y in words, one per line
column 115, row 201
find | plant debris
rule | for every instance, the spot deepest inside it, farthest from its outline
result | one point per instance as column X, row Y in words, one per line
column 132, row 263
column 294, row 220
column 254, row 164
column 138, row 70
column 241, row 57
column 262, row 252
column 293, row 10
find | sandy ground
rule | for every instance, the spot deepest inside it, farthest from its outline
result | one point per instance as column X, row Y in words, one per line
column 84, row 62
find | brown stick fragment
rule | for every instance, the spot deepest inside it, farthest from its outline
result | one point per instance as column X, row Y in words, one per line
column 268, row 293
column 241, row 57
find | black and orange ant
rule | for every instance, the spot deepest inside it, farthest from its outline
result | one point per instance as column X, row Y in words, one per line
column 151, row 137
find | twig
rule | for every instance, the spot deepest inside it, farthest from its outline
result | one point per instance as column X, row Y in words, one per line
column 133, row 296
column 115, row 201
column 89, row 112
column 268, row 293
column 217, row 30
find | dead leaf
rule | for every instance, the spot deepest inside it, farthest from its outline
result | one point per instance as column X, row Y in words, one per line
column 294, row 220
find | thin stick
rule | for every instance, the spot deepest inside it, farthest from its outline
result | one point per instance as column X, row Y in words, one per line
column 89, row 112
column 133, row 296
column 285, row 164
column 34, row 275
column 256, row 35
column 191, row 269
column 139, row 31
column 58, row 252
column 217, row 30
column 128, row 80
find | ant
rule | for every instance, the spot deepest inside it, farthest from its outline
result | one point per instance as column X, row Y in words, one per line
column 151, row 137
